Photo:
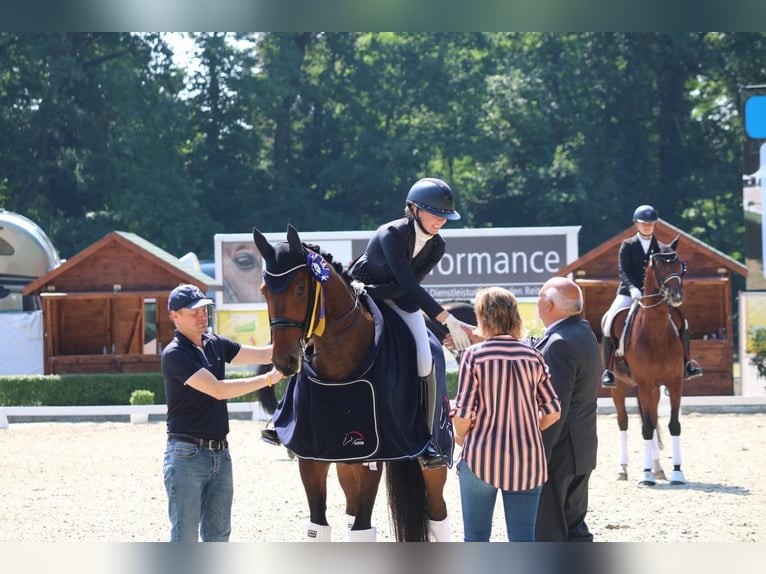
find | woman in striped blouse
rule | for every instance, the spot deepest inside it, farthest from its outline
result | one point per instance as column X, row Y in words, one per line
column 504, row 399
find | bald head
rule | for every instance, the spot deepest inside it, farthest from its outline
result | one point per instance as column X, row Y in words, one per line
column 559, row 298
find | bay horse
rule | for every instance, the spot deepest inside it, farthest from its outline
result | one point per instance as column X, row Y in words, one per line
column 323, row 332
column 652, row 356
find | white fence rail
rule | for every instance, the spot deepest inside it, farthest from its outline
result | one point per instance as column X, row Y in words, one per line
column 255, row 408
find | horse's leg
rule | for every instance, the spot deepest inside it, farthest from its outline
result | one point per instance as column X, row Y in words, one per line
column 360, row 485
column 439, row 529
column 648, row 399
column 618, row 398
column 657, row 470
column 347, row 480
column 674, row 426
column 314, row 478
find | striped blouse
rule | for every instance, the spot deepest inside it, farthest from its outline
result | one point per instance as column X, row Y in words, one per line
column 502, row 385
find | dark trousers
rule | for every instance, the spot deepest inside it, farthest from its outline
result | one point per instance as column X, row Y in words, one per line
column 562, row 509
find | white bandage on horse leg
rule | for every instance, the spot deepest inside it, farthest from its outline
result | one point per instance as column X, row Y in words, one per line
column 368, row 535
column 675, row 441
column 623, row 452
column 648, row 454
column 318, row 532
column 439, row 530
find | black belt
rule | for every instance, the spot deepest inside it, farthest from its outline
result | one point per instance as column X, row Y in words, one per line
column 206, row 443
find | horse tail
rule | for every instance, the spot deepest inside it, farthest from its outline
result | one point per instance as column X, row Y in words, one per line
column 266, row 396
column 407, row 500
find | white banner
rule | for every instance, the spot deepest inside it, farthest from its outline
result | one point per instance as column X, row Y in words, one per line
column 21, row 343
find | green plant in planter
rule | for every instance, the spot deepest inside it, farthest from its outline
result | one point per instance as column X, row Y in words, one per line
column 141, row 397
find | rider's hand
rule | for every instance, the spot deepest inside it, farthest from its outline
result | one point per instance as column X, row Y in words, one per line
column 635, row 292
column 358, row 287
column 459, row 337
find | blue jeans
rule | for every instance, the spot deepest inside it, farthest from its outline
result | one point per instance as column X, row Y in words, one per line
column 477, row 499
column 200, row 490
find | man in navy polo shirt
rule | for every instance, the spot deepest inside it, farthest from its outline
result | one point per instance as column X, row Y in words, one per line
column 197, row 466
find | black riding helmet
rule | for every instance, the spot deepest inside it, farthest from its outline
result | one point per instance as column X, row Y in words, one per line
column 434, row 196
column 645, row 214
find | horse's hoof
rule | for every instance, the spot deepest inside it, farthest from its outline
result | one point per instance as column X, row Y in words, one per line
column 648, row 479
column 659, row 474
column 677, row 477
column 622, row 475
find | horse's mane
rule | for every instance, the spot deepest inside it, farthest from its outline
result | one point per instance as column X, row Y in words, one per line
column 337, row 266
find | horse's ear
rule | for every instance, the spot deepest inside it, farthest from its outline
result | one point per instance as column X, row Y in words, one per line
column 293, row 240
column 674, row 243
column 262, row 244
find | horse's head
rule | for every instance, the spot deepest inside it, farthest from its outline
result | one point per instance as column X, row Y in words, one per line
column 664, row 275
column 289, row 289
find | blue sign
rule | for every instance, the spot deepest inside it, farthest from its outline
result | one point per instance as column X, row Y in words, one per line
column 755, row 117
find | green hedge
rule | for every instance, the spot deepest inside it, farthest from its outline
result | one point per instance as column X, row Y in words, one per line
column 90, row 389
column 107, row 389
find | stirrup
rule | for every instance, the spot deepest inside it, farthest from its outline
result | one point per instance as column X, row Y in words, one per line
column 607, row 380
column 269, row 434
column 432, row 457
column 692, row 370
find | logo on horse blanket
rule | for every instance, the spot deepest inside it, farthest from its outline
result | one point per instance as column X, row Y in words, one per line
column 376, row 414
column 353, row 438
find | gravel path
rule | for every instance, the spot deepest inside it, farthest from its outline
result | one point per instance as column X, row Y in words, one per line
column 102, row 482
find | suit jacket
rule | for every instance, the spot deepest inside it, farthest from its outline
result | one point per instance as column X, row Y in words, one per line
column 572, row 354
column 633, row 262
column 389, row 271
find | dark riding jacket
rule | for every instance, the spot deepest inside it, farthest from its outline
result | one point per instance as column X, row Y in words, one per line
column 633, row 262
column 389, row 271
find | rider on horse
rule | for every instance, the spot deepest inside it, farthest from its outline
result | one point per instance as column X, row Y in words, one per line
column 633, row 258
column 398, row 257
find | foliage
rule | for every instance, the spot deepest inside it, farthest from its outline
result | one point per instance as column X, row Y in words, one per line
column 92, row 389
column 757, row 346
column 141, row 397
column 104, row 131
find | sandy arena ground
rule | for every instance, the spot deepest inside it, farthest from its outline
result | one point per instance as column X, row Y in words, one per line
column 102, row 482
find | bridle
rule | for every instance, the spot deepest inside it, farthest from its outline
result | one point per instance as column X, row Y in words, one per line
column 313, row 323
column 662, row 282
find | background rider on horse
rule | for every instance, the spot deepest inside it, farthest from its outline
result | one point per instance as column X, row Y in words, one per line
column 634, row 256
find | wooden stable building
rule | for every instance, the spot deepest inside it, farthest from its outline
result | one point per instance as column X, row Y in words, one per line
column 105, row 309
column 708, row 304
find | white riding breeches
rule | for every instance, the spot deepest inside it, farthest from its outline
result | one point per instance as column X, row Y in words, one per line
column 620, row 302
column 417, row 325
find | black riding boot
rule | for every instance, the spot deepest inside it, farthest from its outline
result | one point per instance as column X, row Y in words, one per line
column 432, row 456
column 692, row 368
column 607, row 377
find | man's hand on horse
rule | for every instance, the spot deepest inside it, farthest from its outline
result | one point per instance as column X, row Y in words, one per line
column 635, row 293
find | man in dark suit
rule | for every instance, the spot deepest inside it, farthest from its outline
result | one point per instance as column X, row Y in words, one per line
column 571, row 352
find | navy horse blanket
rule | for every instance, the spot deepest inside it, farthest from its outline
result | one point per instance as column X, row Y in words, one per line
column 375, row 415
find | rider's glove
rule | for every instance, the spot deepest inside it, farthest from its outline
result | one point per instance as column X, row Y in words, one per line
column 358, row 287
column 635, row 292
column 459, row 336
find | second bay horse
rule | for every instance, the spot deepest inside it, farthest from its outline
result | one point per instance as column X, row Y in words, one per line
column 323, row 333
column 653, row 356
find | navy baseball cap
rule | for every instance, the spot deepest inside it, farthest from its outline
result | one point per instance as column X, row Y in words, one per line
column 187, row 297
